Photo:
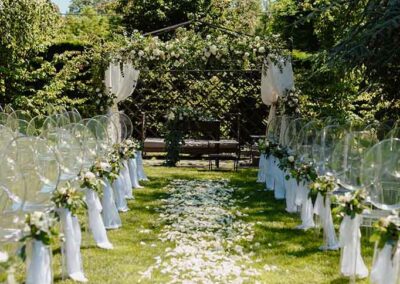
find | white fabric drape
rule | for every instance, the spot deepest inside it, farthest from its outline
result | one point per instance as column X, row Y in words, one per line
column 276, row 78
column 290, row 189
column 72, row 245
column 261, row 169
column 322, row 208
column 96, row 223
column 39, row 269
column 279, row 187
column 127, row 180
column 110, row 213
column 269, row 175
column 351, row 262
column 121, row 82
column 140, row 169
column 306, row 213
column 119, row 193
column 386, row 267
column 133, row 173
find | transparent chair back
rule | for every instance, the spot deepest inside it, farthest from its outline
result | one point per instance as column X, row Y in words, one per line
column 69, row 153
column 306, row 138
column 32, row 169
column 323, row 147
column 347, row 155
column 273, row 129
column 128, row 125
column 88, row 143
column 380, row 174
column 99, row 131
column 291, row 134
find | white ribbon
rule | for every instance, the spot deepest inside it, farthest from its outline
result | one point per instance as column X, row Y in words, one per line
column 279, row 187
column 96, row 223
column 119, row 192
column 133, row 173
column 351, row 262
column 290, row 189
column 385, row 270
column 307, row 216
column 140, row 169
column 261, row 169
column 269, row 175
column 72, row 245
column 39, row 269
column 127, row 180
column 323, row 210
column 110, row 213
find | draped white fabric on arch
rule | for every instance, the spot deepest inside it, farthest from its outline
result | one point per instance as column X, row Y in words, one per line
column 275, row 80
column 120, row 81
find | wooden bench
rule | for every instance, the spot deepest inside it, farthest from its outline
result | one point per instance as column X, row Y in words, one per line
column 204, row 142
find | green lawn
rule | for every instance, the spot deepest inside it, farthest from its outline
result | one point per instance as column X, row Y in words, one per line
column 276, row 242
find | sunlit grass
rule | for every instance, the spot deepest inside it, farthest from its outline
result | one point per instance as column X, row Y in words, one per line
column 276, row 242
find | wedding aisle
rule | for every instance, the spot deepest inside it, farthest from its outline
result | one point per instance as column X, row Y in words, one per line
column 184, row 226
column 203, row 223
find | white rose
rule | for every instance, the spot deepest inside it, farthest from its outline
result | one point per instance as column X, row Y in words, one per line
column 97, row 90
column 261, row 49
column 27, row 229
column 267, row 144
column 291, row 159
column 89, row 176
column 105, row 166
column 207, row 54
column 257, row 38
column 3, row 256
column 213, row 50
column 208, row 37
column 141, row 53
column 246, row 55
column 62, row 190
column 36, row 216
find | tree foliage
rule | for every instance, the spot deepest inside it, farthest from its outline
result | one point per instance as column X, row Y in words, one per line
column 348, row 51
column 48, row 60
column 146, row 16
column 77, row 6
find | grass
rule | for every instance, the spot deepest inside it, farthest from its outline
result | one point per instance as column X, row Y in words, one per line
column 294, row 252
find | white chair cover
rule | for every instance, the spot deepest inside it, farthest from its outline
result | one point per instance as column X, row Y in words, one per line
column 110, row 213
column 140, row 169
column 39, row 269
column 133, row 173
column 306, row 214
column 127, row 180
column 72, row 245
column 119, row 193
column 279, row 187
column 96, row 223
column 269, row 174
column 290, row 189
column 351, row 262
column 323, row 210
column 261, row 169
column 386, row 268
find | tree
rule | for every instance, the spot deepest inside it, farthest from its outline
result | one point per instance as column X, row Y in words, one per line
column 77, row 6
column 87, row 27
column 147, row 16
column 26, row 28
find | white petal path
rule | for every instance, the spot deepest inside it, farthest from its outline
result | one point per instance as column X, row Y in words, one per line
column 201, row 219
